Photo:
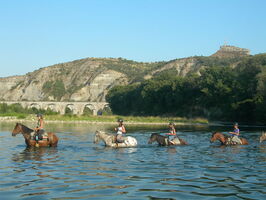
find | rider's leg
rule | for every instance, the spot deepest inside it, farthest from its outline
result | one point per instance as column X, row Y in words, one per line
column 236, row 140
column 119, row 138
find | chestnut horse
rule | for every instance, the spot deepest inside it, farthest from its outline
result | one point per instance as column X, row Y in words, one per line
column 26, row 132
column 164, row 141
column 225, row 140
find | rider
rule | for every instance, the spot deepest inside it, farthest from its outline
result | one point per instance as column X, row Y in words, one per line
column 120, row 131
column 235, row 134
column 172, row 132
column 39, row 130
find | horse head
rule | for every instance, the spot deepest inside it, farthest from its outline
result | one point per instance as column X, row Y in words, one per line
column 214, row 137
column 152, row 138
column 217, row 136
column 96, row 137
column 17, row 129
column 263, row 137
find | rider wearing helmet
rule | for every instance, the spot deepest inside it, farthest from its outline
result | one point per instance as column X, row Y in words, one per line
column 120, row 130
column 172, row 132
column 235, row 134
column 39, row 130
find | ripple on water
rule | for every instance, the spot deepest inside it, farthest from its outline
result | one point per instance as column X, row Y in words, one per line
column 78, row 169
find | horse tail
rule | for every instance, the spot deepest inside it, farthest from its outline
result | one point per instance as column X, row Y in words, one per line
column 182, row 141
column 244, row 141
column 53, row 139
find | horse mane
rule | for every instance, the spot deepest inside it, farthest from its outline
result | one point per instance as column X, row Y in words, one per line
column 109, row 134
column 216, row 133
column 25, row 128
column 158, row 134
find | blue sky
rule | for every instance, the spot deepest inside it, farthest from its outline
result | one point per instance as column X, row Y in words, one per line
column 36, row 34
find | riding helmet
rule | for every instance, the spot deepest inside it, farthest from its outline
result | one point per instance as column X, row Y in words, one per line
column 120, row 120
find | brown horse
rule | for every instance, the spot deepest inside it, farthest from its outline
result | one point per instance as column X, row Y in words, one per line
column 164, row 141
column 225, row 140
column 26, row 132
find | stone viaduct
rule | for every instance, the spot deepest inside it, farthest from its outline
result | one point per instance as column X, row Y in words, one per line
column 60, row 107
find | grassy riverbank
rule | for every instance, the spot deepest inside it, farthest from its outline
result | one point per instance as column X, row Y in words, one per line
column 104, row 119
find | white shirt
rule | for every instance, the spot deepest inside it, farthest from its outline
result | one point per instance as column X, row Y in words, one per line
column 119, row 130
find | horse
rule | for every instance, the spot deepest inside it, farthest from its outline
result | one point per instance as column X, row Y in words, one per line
column 164, row 141
column 226, row 140
column 109, row 140
column 26, row 132
column 263, row 137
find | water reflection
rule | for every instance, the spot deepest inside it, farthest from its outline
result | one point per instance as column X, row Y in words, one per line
column 36, row 154
column 79, row 169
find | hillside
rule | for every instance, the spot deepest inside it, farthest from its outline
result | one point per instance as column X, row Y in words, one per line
column 90, row 79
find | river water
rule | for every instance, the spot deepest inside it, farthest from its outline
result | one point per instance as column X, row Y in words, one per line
column 79, row 169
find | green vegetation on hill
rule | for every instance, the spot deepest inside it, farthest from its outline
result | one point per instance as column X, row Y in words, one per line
column 18, row 111
column 218, row 62
column 220, row 93
column 134, row 70
column 55, row 89
column 61, row 81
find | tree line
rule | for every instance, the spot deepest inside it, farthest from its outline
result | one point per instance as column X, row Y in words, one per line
column 222, row 93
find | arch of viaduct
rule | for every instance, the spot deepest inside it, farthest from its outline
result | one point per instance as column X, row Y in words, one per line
column 60, row 107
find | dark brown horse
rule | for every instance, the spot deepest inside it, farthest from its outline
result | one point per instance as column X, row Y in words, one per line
column 225, row 140
column 164, row 141
column 26, row 132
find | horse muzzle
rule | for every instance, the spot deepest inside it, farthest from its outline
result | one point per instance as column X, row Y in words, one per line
column 14, row 134
column 149, row 142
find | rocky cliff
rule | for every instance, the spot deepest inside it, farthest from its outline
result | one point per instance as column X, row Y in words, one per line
column 227, row 51
column 90, row 79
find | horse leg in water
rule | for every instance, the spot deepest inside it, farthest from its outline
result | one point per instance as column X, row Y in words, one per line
column 163, row 141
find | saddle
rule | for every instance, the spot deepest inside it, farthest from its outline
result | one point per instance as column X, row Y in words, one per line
column 174, row 141
column 40, row 135
column 233, row 141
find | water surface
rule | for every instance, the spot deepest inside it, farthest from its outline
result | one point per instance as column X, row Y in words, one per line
column 79, row 169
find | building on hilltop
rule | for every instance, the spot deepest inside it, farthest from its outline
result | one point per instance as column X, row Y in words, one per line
column 228, row 51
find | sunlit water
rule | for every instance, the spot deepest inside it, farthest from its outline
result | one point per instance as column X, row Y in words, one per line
column 79, row 169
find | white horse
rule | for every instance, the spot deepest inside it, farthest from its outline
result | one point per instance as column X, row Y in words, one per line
column 263, row 137
column 109, row 140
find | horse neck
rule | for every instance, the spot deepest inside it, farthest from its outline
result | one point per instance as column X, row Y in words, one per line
column 221, row 138
column 26, row 136
column 26, row 131
column 104, row 136
column 160, row 138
